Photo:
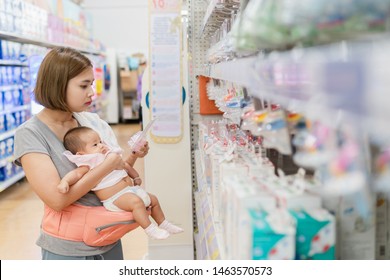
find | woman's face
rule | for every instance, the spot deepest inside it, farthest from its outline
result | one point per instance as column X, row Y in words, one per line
column 79, row 92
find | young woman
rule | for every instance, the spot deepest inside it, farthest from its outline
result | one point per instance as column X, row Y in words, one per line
column 64, row 88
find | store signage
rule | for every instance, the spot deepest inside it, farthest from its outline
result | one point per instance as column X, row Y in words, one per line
column 165, row 74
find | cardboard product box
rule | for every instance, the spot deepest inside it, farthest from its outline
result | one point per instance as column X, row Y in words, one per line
column 127, row 109
column 207, row 106
column 217, row 161
column 356, row 228
column 129, row 80
column 229, row 174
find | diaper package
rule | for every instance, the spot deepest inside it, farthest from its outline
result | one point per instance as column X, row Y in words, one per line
column 273, row 235
column 316, row 234
column 239, row 231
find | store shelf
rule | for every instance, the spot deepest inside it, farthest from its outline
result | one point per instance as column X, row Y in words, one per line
column 209, row 12
column 6, row 134
column 9, row 182
column 341, row 85
column 217, row 12
column 10, row 87
column 348, row 77
column 13, row 63
column 6, row 160
column 238, row 71
column 12, row 114
column 15, row 109
column 26, row 40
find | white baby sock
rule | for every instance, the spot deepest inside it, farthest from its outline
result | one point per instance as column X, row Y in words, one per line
column 171, row 228
column 155, row 232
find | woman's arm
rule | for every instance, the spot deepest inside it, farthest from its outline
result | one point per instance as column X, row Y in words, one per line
column 44, row 179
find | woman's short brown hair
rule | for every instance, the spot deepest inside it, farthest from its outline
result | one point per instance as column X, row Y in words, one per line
column 59, row 66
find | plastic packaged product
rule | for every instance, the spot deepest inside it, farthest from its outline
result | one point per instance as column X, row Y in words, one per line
column 344, row 173
column 316, row 234
column 268, row 24
column 138, row 140
column 275, row 132
column 381, row 171
column 315, row 144
column 272, row 235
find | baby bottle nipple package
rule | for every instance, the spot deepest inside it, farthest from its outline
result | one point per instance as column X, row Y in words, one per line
column 138, row 140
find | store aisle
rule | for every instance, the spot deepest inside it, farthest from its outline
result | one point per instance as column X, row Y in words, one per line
column 21, row 211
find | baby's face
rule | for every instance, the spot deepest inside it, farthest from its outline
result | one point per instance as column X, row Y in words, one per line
column 93, row 143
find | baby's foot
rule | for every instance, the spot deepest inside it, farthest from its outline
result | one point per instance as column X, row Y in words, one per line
column 155, row 232
column 171, row 228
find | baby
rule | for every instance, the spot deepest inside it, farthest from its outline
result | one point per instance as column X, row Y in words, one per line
column 116, row 190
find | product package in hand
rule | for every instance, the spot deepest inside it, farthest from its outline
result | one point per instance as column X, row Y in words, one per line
column 138, row 140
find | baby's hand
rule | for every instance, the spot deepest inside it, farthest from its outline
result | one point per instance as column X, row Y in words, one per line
column 115, row 161
column 137, row 181
column 63, row 187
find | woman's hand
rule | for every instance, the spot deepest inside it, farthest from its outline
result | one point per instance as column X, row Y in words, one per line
column 143, row 151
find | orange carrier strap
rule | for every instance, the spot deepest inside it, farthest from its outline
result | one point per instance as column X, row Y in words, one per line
column 93, row 225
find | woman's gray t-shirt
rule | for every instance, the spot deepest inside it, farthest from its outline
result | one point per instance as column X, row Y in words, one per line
column 34, row 136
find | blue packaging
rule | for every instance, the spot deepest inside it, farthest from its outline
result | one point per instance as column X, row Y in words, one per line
column 316, row 234
column 273, row 235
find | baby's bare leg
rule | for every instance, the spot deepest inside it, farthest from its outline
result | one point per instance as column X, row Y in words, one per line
column 132, row 203
column 159, row 217
column 157, row 213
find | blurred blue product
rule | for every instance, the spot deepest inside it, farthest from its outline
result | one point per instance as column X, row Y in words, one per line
column 133, row 63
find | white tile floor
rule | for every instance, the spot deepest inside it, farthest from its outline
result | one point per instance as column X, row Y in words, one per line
column 21, row 212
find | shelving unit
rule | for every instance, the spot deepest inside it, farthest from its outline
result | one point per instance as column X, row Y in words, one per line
column 129, row 104
column 370, row 106
column 12, row 63
column 340, row 84
column 10, row 182
column 237, row 71
column 32, row 41
column 17, row 109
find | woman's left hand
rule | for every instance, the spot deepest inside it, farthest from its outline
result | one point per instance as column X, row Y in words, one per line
column 142, row 151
